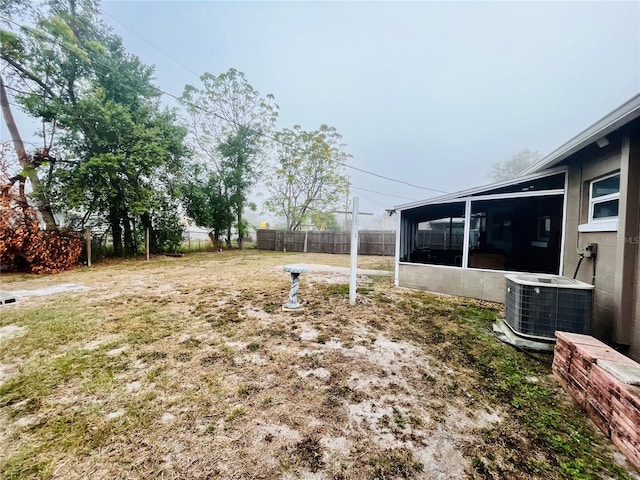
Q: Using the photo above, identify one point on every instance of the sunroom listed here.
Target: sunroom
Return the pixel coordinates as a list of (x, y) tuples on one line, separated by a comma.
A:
[(463, 243)]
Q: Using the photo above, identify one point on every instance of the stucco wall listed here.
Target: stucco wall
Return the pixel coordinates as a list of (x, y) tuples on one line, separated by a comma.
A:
[(633, 239), (616, 309), (579, 178), (482, 284)]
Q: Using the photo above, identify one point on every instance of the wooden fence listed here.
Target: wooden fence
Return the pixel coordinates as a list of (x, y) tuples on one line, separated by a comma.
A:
[(439, 240), (370, 242)]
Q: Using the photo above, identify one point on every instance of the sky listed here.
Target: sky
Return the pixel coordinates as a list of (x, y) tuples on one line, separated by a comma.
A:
[(429, 93)]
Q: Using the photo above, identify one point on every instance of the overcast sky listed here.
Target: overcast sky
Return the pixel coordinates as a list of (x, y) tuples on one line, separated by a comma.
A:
[(432, 93)]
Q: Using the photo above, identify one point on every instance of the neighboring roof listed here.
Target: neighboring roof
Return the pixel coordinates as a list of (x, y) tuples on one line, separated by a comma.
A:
[(620, 116), (462, 194)]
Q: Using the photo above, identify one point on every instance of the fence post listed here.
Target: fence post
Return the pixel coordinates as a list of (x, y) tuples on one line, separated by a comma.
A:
[(87, 236), (146, 242)]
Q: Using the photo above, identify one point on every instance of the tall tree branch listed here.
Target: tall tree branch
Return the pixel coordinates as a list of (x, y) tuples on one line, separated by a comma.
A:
[(25, 160), (28, 74)]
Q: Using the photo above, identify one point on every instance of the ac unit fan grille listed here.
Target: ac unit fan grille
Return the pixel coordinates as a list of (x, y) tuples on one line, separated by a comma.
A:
[(541, 310)]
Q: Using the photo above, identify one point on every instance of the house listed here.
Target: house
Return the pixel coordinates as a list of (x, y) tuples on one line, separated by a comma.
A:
[(574, 213)]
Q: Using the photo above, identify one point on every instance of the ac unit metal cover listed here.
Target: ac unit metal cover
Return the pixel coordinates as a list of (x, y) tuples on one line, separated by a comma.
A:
[(536, 305)]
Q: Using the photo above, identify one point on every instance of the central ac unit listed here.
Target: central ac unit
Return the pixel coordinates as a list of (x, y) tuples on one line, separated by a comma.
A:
[(537, 305)]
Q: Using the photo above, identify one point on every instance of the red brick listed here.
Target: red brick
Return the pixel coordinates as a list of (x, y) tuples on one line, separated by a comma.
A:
[(592, 353), (613, 406), (604, 380), (598, 418), (630, 395), (623, 425), (559, 359), (628, 449), (577, 394), (627, 410), (562, 349), (578, 339)]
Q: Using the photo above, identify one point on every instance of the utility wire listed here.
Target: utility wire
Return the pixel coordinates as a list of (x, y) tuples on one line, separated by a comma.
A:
[(151, 43), (394, 180), (36, 34), (381, 193), (371, 201)]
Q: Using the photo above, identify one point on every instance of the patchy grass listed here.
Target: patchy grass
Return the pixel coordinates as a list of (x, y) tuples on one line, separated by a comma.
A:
[(188, 368)]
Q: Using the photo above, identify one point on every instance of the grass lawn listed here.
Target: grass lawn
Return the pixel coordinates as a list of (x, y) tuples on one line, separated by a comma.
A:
[(188, 368)]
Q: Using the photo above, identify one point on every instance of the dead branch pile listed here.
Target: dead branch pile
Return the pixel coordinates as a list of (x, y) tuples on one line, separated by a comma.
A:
[(25, 247)]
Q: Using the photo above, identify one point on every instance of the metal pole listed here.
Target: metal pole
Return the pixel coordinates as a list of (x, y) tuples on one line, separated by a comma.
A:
[(354, 251)]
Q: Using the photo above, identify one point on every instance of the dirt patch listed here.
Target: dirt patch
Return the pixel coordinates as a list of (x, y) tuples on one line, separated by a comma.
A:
[(6, 371), (9, 331)]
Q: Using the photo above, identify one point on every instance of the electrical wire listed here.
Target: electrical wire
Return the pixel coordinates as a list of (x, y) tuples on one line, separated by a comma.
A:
[(394, 180), (151, 43), (381, 193)]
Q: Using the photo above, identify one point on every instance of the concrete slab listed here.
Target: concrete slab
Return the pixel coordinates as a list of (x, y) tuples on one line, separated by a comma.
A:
[(505, 334), (625, 372), (40, 292), (7, 298)]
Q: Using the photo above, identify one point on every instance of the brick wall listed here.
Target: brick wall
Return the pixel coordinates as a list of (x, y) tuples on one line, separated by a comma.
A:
[(579, 364)]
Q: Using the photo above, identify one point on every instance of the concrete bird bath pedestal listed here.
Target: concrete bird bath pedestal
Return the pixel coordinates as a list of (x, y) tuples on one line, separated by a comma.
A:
[(295, 271)]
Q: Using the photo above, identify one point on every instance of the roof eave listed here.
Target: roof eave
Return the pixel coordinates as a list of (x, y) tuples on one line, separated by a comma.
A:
[(464, 194)]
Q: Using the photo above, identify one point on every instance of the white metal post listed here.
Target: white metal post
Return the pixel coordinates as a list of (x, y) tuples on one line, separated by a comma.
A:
[(354, 252), (467, 233)]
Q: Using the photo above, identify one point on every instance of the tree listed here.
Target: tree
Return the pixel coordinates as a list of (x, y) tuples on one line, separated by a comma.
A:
[(126, 155), (508, 169), (238, 173), (326, 221), (166, 231), (206, 203), (117, 149), (29, 165), (308, 178), (229, 126)]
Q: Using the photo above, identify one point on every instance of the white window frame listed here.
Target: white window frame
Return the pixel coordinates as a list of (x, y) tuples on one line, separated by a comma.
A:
[(605, 224)]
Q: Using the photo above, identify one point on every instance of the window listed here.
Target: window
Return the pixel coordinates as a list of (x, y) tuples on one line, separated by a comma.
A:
[(517, 234), (604, 197), (434, 234)]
